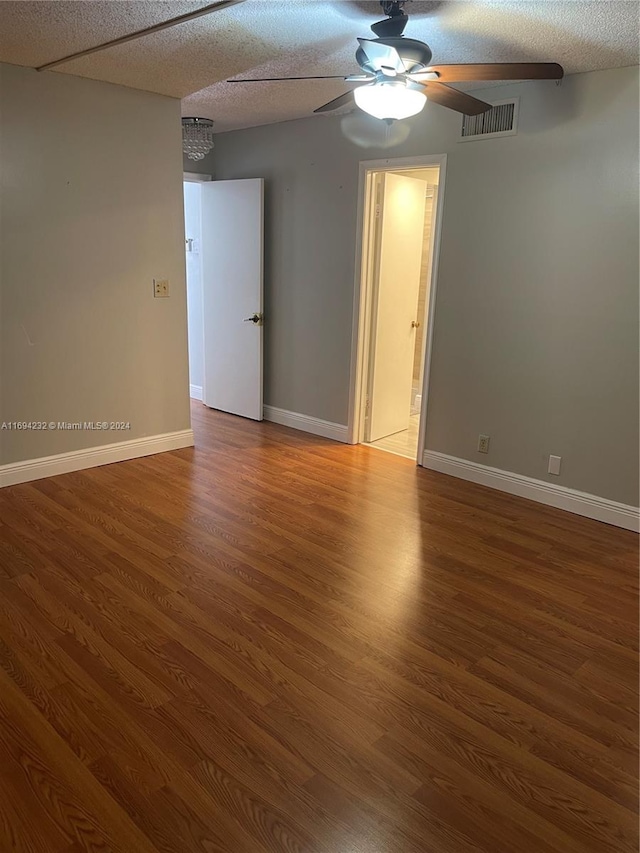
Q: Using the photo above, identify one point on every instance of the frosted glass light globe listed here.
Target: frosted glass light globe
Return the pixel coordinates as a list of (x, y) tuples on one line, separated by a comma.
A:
[(389, 99)]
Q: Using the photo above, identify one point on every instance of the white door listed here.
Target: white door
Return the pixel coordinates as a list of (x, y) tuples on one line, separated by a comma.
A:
[(232, 250), (395, 293)]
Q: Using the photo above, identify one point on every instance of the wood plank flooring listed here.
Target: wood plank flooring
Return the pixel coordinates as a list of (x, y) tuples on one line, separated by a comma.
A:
[(273, 643)]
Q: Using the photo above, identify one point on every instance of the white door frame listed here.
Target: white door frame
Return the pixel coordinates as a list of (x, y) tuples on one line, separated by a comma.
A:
[(362, 290)]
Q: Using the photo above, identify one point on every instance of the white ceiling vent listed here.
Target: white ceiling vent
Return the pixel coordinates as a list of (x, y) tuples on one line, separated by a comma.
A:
[(500, 120)]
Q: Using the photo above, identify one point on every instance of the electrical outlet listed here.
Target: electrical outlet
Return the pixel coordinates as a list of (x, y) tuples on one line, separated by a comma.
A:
[(161, 288), (554, 464), (483, 444)]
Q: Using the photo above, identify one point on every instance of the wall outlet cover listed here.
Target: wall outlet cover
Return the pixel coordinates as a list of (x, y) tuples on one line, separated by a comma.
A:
[(483, 444), (161, 288)]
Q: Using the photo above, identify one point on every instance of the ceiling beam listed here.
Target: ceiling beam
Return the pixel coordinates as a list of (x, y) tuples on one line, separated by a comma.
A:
[(147, 31)]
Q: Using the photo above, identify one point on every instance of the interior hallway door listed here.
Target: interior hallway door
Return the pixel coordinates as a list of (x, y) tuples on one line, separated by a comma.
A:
[(232, 282), (395, 301)]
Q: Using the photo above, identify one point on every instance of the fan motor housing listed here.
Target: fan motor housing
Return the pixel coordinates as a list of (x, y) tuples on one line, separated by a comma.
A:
[(415, 55)]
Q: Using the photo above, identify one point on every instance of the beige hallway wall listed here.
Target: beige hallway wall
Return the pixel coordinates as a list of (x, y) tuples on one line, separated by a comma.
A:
[(91, 212)]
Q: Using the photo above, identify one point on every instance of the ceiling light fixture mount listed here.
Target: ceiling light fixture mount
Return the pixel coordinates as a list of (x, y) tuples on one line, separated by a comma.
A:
[(197, 137), (395, 22)]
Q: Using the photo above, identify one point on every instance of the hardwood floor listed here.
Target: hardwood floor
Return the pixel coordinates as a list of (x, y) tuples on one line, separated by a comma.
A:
[(273, 642)]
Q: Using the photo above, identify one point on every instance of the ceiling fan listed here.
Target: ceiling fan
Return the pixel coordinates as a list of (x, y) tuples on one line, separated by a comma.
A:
[(398, 78)]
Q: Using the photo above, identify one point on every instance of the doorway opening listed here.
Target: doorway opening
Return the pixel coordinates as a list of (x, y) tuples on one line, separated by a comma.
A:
[(401, 204)]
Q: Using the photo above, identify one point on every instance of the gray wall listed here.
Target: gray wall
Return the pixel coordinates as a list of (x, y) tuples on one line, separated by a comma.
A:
[(536, 339), (91, 211), (202, 167)]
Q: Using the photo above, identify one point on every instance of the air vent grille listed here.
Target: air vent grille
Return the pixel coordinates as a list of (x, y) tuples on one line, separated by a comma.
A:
[(500, 120)]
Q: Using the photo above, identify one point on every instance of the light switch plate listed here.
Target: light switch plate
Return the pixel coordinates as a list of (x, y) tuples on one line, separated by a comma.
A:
[(554, 464), (161, 288)]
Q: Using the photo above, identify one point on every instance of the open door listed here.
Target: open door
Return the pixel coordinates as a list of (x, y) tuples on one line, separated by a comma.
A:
[(232, 272), (400, 237)]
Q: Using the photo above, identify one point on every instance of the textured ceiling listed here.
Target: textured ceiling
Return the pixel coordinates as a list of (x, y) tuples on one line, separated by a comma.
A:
[(32, 33), (273, 38)]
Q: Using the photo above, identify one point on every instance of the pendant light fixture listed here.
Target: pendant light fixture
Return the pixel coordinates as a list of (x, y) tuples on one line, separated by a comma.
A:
[(197, 137)]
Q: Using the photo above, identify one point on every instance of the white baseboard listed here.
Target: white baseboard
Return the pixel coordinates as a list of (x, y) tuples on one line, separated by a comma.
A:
[(571, 500), (195, 392), (327, 429), (77, 460)]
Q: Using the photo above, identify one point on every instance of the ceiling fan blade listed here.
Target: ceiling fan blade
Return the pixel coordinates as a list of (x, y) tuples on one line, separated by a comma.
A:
[(341, 101), (453, 99), (495, 71), (382, 55), (277, 79), (359, 78)]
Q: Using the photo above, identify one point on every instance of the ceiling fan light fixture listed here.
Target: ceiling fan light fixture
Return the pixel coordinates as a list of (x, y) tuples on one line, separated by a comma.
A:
[(389, 99), (197, 137)]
